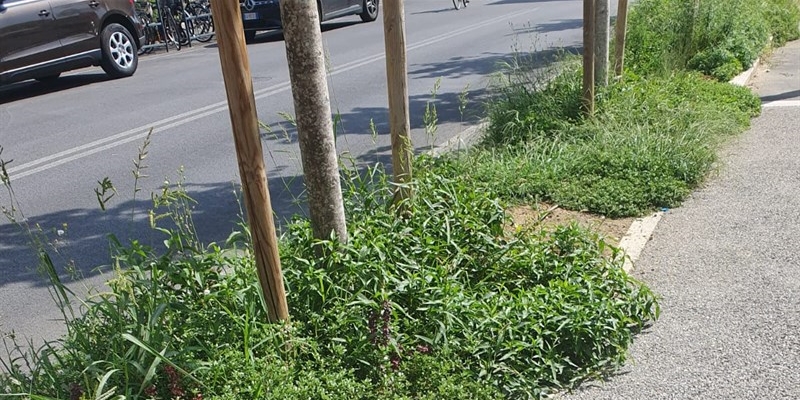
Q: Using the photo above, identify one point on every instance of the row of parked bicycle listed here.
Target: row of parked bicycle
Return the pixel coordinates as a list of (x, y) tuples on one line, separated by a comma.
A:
[(174, 23)]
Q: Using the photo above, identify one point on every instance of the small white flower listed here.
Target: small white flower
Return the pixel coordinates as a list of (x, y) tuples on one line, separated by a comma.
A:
[(60, 232), (206, 292)]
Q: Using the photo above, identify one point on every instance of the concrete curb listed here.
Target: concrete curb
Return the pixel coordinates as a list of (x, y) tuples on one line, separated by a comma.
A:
[(744, 78), (639, 233)]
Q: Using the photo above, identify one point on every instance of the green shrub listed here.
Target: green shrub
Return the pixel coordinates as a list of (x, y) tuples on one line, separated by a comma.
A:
[(669, 35), (651, 142), (783, 18), (440, 304)]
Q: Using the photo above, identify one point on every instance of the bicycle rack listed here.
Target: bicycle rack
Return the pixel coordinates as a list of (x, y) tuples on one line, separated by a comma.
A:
[(158, 25)]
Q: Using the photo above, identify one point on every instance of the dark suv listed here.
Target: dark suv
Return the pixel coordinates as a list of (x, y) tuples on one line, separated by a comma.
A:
[(40, 39), (261, 15)]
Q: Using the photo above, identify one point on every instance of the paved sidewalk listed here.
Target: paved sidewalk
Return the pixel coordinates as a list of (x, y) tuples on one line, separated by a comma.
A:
[(727, 265)]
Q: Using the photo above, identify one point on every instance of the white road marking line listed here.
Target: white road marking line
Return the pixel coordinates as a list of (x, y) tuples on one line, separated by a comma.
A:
[(782, 103), (140, 132)]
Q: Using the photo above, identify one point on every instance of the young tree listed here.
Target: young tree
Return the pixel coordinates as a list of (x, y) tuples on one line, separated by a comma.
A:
[(312, 107)]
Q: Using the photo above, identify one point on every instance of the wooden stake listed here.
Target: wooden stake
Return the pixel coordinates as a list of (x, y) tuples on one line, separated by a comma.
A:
[(602, 29), (246, 135), (621, 29), (397, 83), (588, 56)]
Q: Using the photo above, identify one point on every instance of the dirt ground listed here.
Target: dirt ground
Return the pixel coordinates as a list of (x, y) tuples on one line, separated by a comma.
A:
[(550, 215)]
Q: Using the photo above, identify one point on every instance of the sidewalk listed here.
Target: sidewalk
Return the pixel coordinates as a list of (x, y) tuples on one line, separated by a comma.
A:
[(727, 266)]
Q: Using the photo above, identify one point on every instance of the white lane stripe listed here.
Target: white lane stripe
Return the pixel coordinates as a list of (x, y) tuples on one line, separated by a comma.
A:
[(96, 146), (782, 103)]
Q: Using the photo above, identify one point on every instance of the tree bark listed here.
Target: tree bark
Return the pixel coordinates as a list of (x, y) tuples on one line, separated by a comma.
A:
[(242, 108), (601, 42), (312, 107), (397, 83), (621, 29)]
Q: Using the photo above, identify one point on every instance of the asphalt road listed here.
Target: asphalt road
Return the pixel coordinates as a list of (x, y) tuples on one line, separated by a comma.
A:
[(66, 137)]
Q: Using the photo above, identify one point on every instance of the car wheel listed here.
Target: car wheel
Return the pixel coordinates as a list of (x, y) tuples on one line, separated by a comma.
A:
[(249, 36), (370, 11), (120, 57), (48, 78)]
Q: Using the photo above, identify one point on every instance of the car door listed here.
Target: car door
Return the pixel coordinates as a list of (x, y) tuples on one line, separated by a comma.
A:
[(27, 34), (334, 6), (79, 24)]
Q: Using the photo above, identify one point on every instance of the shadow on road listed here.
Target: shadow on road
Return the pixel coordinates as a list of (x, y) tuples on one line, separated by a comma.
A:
[(782, 96), (500, 2), (85, 240), (276, 35), (465, 105), (27, 89)]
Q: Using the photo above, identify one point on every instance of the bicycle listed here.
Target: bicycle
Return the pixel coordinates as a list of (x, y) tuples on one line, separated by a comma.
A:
[(458, 3), (159, 29), (194, 21)]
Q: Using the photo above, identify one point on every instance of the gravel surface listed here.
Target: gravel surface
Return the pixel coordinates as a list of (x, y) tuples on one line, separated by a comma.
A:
[(727, 267)]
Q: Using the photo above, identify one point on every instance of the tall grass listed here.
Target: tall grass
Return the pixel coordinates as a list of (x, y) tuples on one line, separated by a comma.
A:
[(719, 38)]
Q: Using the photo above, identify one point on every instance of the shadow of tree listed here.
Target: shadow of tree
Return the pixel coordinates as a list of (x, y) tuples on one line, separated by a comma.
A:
[(500, 2), (452, 107), (216, 214), (557, 26)]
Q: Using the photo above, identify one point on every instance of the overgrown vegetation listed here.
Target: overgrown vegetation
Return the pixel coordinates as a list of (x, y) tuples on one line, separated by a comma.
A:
[(718, 37), (445, 303), (656, 130), (651, 142), (442, 304)]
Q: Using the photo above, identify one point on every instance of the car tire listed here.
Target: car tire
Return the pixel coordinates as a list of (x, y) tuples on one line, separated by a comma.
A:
[(249, 36), (48, 78), (370, 10), (120, 57)]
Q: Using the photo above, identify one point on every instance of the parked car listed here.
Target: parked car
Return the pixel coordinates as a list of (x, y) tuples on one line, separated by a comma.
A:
[(40, 39), (261, 15)]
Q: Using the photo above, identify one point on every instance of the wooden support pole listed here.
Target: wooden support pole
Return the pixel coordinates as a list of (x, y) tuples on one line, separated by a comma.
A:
[(588, 56), (620, 33), (602, 28), (397, 83), (246, 135)]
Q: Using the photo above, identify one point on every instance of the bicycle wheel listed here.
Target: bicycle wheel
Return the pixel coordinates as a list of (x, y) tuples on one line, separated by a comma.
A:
[(171, 29), (202, 22), (457, 4), (185, 27)]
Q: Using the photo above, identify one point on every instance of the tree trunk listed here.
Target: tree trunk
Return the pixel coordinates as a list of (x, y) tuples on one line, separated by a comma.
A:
[(246, 135), (601, 40), (621, 29), (397, 83), (312, 107)]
